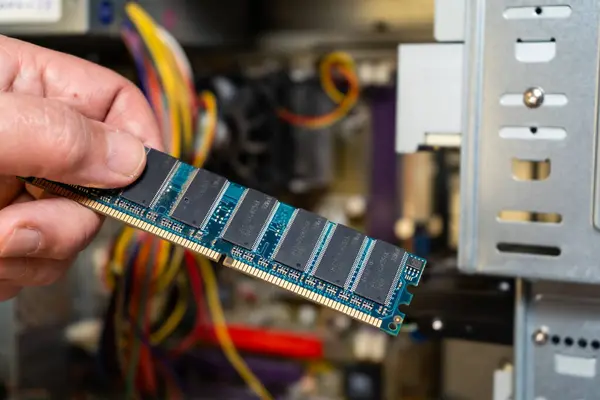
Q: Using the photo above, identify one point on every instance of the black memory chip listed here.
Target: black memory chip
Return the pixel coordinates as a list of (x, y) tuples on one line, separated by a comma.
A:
[(415, 263), (197, 201), (300, 240), (158, 167), (379, 272), (336, 264), (249, 219)]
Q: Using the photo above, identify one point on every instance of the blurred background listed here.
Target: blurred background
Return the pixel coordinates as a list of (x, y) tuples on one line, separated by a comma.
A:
[(298, 99)]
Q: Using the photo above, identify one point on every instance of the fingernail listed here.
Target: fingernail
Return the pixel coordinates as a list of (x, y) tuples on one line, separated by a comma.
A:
[(21, 243), (126, 154)]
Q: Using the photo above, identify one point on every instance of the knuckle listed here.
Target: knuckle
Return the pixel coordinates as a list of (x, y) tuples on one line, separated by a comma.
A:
[(46, 275), (25, 273), (10, 67), (16, 270), (40, 272), (31, 271), (78, 230)]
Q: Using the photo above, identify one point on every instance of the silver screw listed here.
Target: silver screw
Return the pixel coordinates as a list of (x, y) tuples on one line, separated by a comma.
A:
[(533, 97), (540, 336)]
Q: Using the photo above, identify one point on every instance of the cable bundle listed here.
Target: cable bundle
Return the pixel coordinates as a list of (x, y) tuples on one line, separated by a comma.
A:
[(144, 271), (153, 292)]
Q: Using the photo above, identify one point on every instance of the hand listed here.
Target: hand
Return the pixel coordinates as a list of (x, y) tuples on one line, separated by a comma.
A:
[(68, 120)]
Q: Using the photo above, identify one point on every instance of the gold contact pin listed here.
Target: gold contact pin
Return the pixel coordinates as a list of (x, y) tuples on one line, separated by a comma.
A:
[(250, 270), (128, 219), (211, 254)]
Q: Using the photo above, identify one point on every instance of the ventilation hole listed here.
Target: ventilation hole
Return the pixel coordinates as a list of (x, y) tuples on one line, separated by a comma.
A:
[(552, 40), (555, 339), (528, 216), (532, 133), (529, 170), (568, 341), (392, 326), (537, 250), (521, 12), (535, 51), (595, 344), (582, 343)]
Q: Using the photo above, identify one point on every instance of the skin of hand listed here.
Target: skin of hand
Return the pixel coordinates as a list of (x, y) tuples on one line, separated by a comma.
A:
[(68, 120)]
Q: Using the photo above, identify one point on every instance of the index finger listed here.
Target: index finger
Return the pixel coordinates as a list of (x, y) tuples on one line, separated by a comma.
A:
[(94, 91)]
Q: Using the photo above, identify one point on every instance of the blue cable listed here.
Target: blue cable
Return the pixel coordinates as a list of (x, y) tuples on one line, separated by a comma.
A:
[(157, 353), (137, 57)]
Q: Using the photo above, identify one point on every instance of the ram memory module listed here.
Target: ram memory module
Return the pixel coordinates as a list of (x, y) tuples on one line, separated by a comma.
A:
[(328, 263)]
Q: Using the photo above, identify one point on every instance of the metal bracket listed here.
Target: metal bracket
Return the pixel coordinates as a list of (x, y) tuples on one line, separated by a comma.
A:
[(530, 103), (558, 341), (429, 96)]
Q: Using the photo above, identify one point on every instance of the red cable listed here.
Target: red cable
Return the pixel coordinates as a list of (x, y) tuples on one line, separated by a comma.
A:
[(134, 302), (196, 283), (332, 116), (146, 363), (173, 392), (144, 375), (154, 94)]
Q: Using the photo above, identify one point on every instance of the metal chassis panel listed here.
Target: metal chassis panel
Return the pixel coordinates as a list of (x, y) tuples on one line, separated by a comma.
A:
[(556, 320), (486, 182)]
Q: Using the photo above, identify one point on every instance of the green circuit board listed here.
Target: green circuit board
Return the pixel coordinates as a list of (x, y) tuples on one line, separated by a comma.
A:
[(328, 263)]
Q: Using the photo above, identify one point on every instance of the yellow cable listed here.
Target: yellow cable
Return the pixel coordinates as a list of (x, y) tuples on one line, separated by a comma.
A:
[(162, 256), (220, 325), (346, 101), (319, 122), (180, 308), (117, 262), (123, 241), (171, 272), (175, 89), (335, 58), (147, 30), (119, 331), (175, 318), (184, 98), (179, 117), (208, 137), (149, 35)]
